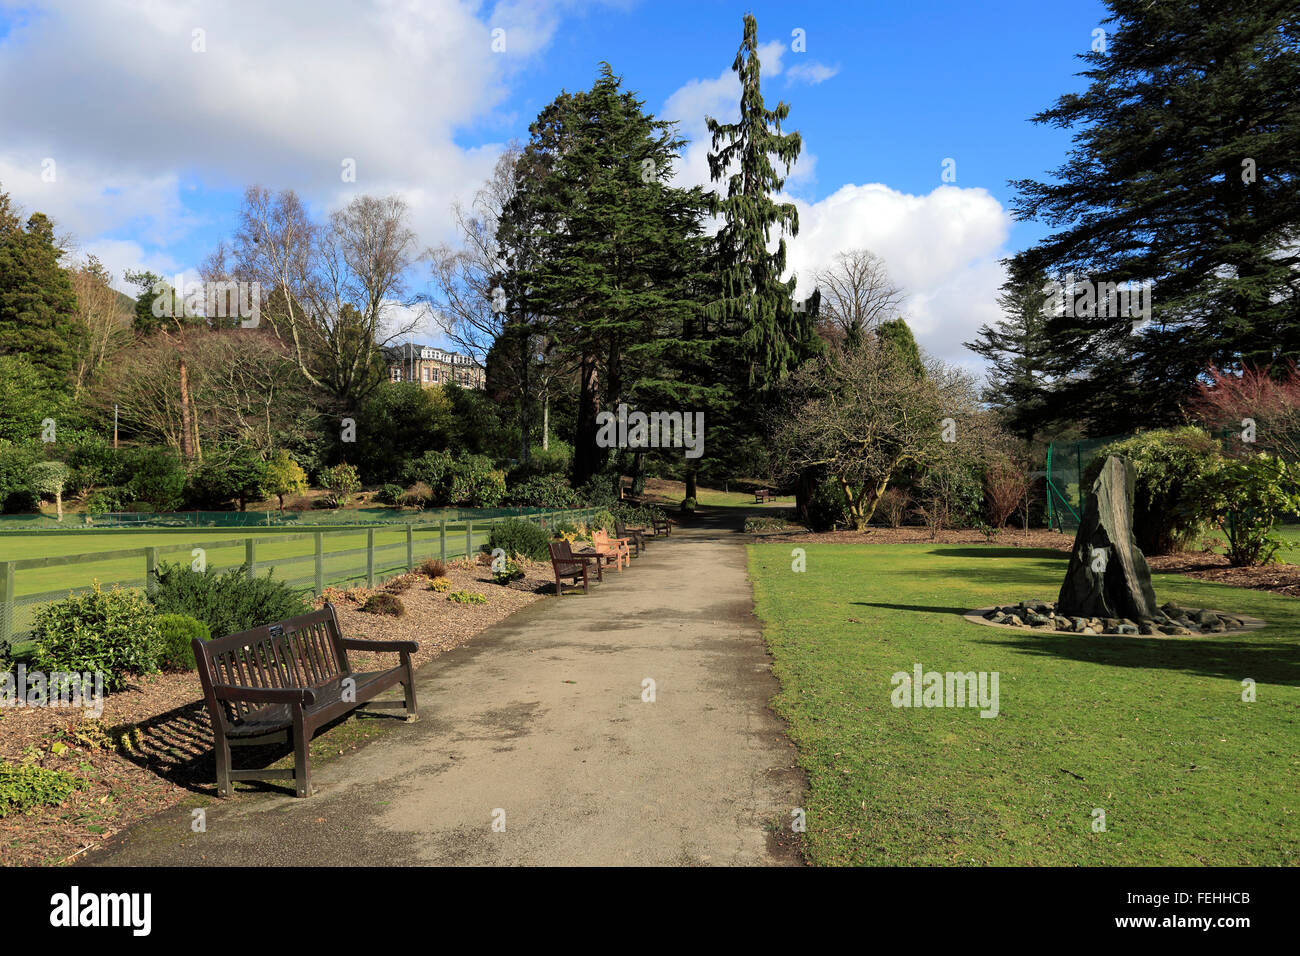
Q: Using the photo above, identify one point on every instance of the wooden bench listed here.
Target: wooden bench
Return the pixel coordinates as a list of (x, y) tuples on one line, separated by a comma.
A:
[(566, 564), (763, 495), (615, 548), (634, 536), (661, 523), (285, 681)]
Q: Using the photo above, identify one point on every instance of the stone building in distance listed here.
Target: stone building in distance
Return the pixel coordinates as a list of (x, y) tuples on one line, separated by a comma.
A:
[(432, 366)]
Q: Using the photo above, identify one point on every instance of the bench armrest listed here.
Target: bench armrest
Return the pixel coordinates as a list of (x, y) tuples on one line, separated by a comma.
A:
[(579, 556), (265, 695), (361, 644)]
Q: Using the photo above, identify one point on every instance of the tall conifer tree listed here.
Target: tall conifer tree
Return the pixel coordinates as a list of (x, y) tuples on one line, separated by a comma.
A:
[(775, 334)]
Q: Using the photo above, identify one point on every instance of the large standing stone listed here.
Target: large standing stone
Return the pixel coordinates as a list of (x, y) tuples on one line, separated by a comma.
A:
[(1108, 576)]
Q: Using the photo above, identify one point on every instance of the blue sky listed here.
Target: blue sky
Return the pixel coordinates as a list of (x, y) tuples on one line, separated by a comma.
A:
[(154, 141)]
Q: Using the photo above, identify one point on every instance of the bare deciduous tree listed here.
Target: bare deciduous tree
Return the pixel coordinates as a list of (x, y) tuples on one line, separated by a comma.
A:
[(862, 413), (857, 294), (335, 292), (107, 323)]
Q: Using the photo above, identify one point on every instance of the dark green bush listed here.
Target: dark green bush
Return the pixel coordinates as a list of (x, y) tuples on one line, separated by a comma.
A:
[(384, 603), (111, 632), (464, 479), (157, 478), (543, 491), (175, 633), (389, 494), (16, 492), (105, 500), (227, 602), (518, 536), (688, 505), (827, 506), (1171, 506), (1248, 496), (227, 475), (25, 787)]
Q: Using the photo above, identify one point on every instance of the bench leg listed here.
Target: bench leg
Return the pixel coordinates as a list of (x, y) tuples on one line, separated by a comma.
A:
[(223, 765), (408, 685), (301, 758), (559, 588)]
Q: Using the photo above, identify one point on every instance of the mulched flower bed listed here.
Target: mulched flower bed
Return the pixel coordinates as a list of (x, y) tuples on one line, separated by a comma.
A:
[(151, 748)]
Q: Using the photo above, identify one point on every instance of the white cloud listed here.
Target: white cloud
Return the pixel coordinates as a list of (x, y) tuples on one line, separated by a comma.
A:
[(942, 249), (281, 95), (810, 73)]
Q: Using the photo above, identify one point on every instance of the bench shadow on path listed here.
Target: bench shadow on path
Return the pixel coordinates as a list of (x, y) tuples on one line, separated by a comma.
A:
[(177, 746), (1265, 662)]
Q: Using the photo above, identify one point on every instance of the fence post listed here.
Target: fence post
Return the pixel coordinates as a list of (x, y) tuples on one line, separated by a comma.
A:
[(320, 563), (6, 604), (370, 557), (150, 570), (442, 540), (410, 548), (250, 556), (469, 539)]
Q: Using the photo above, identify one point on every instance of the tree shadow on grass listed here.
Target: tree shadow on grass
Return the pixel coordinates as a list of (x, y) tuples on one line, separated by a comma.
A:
[(990, 552), (1265, 662), (925, 608)]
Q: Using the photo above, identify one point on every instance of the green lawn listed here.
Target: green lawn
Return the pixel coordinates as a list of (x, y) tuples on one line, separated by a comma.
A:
[(1151, 730)]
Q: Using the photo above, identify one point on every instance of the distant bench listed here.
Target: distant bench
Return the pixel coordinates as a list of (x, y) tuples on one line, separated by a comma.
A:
[(287, 680), (763, 495)]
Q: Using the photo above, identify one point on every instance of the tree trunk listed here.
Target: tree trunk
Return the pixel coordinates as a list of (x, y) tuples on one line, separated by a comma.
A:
[(187, 437), (690, 483), (586, 456), (58, 504), (546, 423)]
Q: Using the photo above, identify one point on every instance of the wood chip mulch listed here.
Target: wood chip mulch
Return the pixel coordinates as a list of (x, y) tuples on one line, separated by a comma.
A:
[(151, 748)]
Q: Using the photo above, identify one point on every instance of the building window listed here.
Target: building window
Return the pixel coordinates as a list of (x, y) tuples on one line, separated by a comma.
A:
[(424, 373)]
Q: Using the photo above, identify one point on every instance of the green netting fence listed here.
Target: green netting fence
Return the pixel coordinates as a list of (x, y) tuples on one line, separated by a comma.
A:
[(1066, 462), (25, 524), (309, 560)]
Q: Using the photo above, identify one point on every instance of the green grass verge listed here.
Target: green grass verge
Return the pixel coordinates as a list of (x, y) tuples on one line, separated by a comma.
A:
[(1153, 731)]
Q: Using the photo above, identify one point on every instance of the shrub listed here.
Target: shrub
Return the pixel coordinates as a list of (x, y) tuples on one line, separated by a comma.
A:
[(522, 537), (175, 633), (111, 632), (467, 597), (604, 519), (509, 571), (440, 584), (16, 492), (566, 529), (1170, 505), (382, 603), (1247, 497), (419, 495), (227, 602), (389, 494), (1006, 487), (893, 506), (827, 506), (398, 585), (284, 476), (464, 479), (598, 491), (761, 525), (24, 787), (234, 475), (106, 500), (157, 478), (544, 491), (433, 568), (342, 482)]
